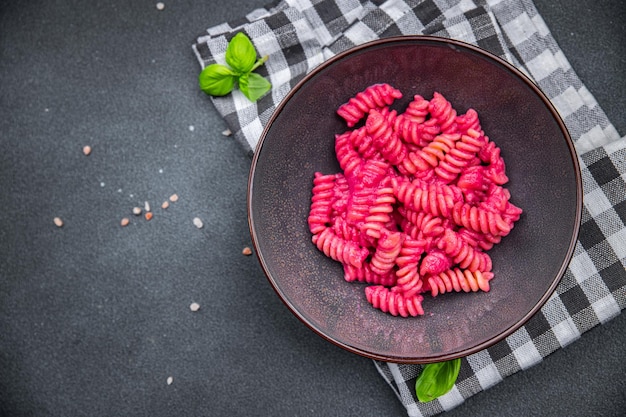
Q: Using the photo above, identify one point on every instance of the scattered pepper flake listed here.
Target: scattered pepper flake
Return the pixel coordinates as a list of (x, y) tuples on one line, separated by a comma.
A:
[(170, 380), (160, 6), (125, 222), (86, 150), (174, 198), (247, 251), (136, 211), (198, 223), (148, 215), (165, 205), (58, 222), (194, 307)]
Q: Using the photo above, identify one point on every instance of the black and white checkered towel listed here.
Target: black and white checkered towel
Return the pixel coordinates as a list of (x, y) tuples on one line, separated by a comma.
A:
[(298, 35)]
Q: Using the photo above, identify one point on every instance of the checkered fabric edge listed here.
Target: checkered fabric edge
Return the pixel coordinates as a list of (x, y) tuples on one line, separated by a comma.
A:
[(298, 35)]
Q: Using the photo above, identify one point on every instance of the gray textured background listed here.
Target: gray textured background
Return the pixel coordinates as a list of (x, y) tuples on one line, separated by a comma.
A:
[(94, 317)]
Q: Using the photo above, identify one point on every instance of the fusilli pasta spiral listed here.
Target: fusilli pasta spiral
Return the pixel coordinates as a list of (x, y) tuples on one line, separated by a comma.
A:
[(409, 281), (466, 256), (380, 128), (394, 303), (376, 96), (365, 274), (322, 202), (441, 110), (387, 250), (339, 249), (458, 280)]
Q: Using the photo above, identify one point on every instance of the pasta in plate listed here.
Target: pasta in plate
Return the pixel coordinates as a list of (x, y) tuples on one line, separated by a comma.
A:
[(418, 204)]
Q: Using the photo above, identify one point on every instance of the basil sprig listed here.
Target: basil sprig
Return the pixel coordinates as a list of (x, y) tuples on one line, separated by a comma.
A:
[(436, 379), (241, 59)]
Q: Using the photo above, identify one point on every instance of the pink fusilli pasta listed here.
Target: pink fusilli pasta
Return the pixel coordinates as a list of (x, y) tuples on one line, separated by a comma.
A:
[(419, 201), (387, 250), (458, 280), (394, 303), (431, 155), (380, 128), (322, 202), (376, 96), (441, 110), (409, 281), (365, 274), (340, 249), (468, 121), (432, 198), (414, 133), (417, 109), (380, 211), (463, 254)]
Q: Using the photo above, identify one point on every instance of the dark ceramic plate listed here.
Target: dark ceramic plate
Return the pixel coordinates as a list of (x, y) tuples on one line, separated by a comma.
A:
[(545, 182)]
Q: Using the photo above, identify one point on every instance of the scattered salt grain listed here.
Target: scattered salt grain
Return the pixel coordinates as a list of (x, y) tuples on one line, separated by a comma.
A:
[(58, 222), (136, 211), (170, 380), (125, 222), (146, 206), (174, 198), (198, 223), (165, 205), (194, 307), (86, 150), (102, 184), (191, 128), (160, 6), (247, 251), (227, 132)]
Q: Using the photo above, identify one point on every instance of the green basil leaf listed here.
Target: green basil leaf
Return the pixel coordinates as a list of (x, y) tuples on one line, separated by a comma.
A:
[(253, 86), (437, 379), (217, 80), (240, 53)]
